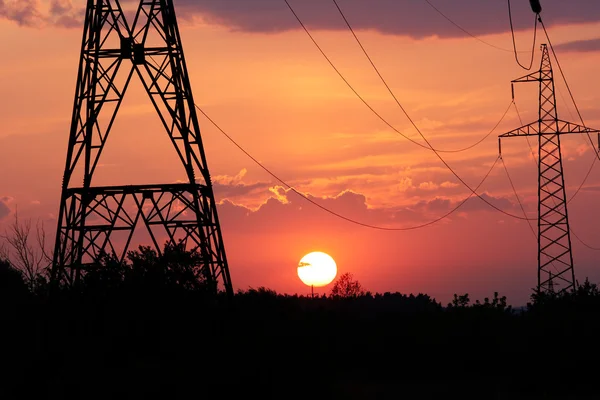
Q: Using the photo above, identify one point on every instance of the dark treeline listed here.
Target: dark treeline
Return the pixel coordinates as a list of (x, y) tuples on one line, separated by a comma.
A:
[(151, 328)]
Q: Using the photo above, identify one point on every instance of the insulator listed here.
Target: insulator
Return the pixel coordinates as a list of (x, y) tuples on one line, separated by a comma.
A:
[(536, 7)]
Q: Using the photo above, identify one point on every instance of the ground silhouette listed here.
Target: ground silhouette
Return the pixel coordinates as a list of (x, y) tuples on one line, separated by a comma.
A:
[(151, 327)]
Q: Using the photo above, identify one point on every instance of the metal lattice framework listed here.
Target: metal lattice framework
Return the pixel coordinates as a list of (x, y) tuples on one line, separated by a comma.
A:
[(555, 259), (113, 52)]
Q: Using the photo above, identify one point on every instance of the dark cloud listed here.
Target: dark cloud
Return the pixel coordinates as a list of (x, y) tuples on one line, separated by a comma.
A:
[(580, 46), (478, 204), (440, 206), (398, 17), (23, 12), (28, 13), (414, 18), (64, 13), (298, 215), (435, 205)]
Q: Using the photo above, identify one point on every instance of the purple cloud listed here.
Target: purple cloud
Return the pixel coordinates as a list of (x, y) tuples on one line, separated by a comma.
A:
[(579, 46), (23, 12), (416, 19), (28, 13)]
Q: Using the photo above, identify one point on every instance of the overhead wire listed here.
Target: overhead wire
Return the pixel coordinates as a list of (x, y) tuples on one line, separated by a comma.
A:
[(516, 58), (406, 113), (473, 191), (371, 108), (305, 197), (512, 31), (313, 202)]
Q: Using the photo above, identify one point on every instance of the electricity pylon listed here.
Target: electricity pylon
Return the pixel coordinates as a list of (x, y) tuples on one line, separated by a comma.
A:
[(98, 220), (555, 259)]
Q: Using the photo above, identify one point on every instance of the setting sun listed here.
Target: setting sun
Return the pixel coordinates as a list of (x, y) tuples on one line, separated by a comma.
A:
[(317, 269)]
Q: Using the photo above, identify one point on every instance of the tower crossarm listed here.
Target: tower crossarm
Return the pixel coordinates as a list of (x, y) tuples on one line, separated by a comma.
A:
[(536, 76), (531, 129), (570, 127), (562, 127)]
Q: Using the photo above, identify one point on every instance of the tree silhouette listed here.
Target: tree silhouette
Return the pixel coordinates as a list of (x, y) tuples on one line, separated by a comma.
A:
[(460, 301), (25, 252), (346, 286), (497, 303)]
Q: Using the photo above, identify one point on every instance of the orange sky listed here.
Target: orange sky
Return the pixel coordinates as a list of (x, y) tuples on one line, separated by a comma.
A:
[(277, 96)]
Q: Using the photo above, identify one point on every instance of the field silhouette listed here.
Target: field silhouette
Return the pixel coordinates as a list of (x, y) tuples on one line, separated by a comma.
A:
[(151, 328)]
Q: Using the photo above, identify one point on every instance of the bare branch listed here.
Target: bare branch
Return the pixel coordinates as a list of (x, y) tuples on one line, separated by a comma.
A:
[(41, 240), (21, 253)]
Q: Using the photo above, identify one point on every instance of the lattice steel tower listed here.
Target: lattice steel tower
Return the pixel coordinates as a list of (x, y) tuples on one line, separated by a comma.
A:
[(555, 259), (97, 219)]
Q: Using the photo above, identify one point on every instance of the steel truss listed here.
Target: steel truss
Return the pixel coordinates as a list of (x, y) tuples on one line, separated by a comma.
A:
[(555, 259), (112, 53)]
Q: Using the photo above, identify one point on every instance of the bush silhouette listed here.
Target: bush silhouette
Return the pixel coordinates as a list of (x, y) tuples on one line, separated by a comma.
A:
[(11, 281)]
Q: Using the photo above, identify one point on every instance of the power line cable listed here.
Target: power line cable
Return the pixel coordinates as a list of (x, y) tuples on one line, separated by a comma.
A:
[(287, 185), (408, 116), (512, 31), (353, 221), (512, 103), (371, 108)]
